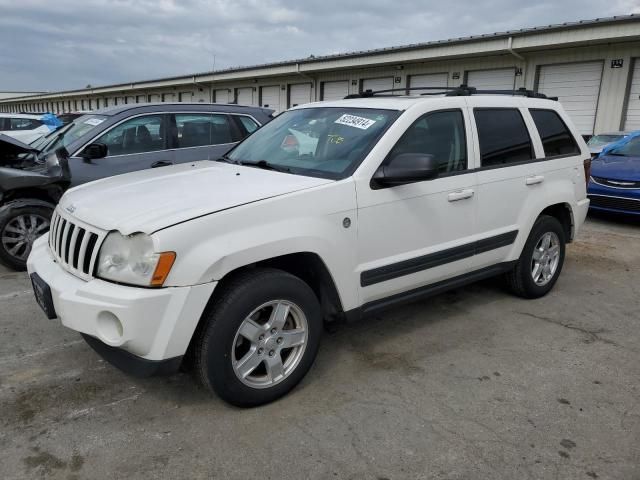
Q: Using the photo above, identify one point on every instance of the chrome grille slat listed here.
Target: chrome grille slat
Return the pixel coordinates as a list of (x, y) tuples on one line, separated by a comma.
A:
[(83, 250), (63, 241), (75, 245)]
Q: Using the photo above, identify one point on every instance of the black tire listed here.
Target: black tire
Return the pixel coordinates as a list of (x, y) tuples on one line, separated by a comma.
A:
[(520, 279), (9, 213), (212, 347)]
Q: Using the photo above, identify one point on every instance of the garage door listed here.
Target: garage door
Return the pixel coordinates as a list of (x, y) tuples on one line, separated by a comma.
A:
[(270, 97), (299, 94), (498, 79), (154, 97), (335, 90), (169, 97), (430, 80), (632, 118), (223, 95), (245, 96), (185, 97), (376, 84), (577, 86)]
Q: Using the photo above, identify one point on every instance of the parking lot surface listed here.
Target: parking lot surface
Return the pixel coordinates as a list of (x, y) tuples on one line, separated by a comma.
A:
[(474, 383)]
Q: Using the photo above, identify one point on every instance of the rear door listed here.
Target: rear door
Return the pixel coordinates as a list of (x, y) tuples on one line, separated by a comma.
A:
[(506, 152), (203, 136)]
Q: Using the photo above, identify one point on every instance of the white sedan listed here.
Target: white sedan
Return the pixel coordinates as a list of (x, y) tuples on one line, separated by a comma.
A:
[(23, 127)]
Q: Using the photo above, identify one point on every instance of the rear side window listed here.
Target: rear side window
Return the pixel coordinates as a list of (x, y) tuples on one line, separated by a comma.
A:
[(555, 136), (503, 136), (201, 129), (24, 124), (249, 125)]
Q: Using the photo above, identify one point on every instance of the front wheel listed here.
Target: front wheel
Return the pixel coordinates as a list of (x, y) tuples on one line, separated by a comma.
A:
[(260, 337), (21, 223), (541, 260)]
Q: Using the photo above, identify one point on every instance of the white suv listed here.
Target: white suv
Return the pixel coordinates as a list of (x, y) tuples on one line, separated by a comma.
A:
[(236, 263)]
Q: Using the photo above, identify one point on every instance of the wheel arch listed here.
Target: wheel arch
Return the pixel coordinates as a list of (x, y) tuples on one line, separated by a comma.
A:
[(564, 214), (309, 267)]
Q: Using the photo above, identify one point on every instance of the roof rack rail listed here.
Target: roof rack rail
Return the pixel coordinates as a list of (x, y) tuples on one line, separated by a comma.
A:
[(461, 91)]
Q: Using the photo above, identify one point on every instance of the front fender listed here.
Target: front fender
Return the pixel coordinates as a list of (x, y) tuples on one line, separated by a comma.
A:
[(210, 247)]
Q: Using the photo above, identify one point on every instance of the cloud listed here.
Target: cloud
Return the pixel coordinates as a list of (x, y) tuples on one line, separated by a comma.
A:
[(65, 44)]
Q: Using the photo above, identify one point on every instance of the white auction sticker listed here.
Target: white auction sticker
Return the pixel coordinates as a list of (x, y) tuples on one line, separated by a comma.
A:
[(353, 121), (94, 121)]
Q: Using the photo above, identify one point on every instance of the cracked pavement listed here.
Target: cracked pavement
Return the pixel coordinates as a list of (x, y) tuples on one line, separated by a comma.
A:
[(474, 383)]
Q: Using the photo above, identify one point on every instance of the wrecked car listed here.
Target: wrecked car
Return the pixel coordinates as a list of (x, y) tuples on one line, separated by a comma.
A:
[(102, 144)]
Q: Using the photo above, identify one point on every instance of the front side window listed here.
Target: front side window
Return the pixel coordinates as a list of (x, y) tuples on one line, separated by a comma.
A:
[(503, 136), (440, 134), (200, 129), (318, 141), (138, 135), (555, 136)]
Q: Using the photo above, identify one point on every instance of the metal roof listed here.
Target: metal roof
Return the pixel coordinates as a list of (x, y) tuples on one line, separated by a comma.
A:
[(376, 51)]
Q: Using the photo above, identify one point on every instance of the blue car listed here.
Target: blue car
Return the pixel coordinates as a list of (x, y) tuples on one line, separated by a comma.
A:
[(615, 178)]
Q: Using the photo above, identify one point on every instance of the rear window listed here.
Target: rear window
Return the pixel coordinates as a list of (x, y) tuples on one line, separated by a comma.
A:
[(503, 136), (555, 136)]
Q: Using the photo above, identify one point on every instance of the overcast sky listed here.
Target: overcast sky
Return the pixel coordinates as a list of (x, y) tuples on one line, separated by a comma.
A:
[(66, 44)]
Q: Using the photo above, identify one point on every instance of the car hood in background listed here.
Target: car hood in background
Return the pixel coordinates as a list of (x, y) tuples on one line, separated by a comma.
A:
[(149, 200), (11, 147), (615, 167)]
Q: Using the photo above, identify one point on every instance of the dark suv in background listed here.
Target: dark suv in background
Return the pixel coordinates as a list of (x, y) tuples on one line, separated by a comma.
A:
[(105, 143)]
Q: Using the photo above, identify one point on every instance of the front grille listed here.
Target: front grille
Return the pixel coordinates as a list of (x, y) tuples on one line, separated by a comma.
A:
[(617, 183), (616, 203), (74, 246)]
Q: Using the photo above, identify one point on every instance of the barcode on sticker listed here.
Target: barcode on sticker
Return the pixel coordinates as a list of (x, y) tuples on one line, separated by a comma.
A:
[(354, 121)]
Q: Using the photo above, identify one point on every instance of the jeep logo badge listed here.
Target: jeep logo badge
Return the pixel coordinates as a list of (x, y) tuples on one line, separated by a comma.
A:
[(70, 208)]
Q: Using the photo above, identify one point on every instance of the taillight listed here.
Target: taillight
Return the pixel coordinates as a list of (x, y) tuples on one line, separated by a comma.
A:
[(587, 170)]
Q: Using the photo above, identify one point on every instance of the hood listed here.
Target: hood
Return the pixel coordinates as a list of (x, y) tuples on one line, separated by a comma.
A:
[(10, 147), (149, 200), (615, 167)]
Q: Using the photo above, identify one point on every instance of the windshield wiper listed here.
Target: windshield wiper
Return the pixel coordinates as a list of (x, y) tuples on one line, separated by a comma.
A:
[(226, 159), (263, 164)]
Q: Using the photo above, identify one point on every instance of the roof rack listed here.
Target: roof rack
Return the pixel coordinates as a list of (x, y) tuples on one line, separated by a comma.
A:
[(461, 91)]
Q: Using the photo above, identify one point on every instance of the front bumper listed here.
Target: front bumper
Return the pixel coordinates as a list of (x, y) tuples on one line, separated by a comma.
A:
[(129, 326), (614, 200)]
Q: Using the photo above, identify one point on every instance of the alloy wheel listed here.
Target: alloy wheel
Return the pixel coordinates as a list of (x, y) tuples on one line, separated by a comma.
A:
[(545, 259), (269, 344), (20, 233)]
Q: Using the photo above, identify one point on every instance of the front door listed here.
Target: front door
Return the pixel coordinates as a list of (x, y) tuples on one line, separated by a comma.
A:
[(135, 144), (416, 234)]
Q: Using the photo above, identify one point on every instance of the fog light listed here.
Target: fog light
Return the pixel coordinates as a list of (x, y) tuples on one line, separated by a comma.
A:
[(110, 328)]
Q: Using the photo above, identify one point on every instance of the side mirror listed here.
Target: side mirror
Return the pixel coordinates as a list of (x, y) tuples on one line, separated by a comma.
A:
[(94, 151), (406, 168)]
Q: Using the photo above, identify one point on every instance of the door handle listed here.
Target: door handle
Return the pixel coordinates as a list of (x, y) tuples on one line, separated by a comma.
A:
[(534, 180), (161, 163), (461, 195)]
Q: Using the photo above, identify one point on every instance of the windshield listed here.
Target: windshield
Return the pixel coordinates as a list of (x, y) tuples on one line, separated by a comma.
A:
[(629, 149), (599, 140), (66, 135), (322, 142)]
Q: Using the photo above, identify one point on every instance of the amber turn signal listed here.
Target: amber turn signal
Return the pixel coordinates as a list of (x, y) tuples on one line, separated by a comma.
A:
[(165, 262)]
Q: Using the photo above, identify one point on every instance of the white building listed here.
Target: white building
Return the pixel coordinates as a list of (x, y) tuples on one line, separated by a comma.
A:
[(592, 66)]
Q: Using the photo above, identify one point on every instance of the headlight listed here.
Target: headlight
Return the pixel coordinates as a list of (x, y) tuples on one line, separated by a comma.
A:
[(131, 259)]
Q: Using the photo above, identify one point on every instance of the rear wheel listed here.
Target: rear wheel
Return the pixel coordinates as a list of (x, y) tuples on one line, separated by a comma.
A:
[(260, 337), (541, 260), (21, 223)]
